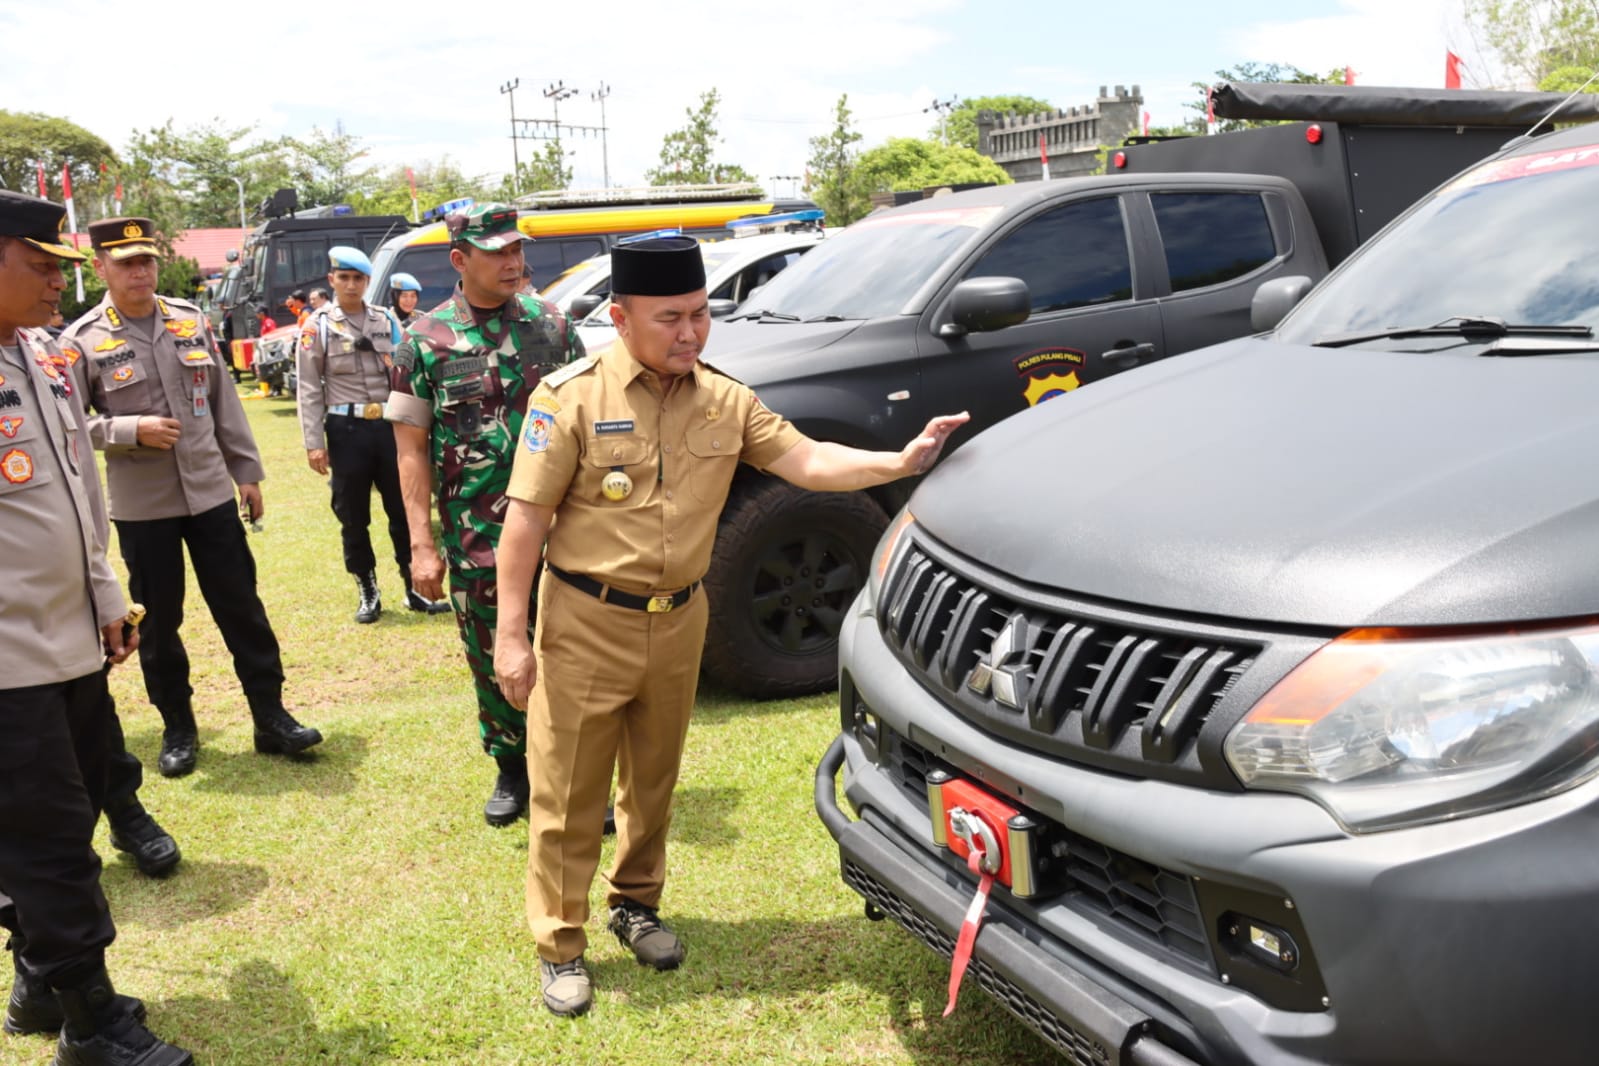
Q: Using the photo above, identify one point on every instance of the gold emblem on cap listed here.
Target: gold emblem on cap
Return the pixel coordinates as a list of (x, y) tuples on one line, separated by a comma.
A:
[(617, 486), (133, 229)]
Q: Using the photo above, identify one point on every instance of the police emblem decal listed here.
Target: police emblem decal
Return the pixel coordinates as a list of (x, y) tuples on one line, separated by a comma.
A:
[(16, 466), (540, 424), (10, 425)]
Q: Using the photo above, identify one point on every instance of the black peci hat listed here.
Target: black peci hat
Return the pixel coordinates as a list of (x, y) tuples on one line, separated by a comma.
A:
[(659, 266)]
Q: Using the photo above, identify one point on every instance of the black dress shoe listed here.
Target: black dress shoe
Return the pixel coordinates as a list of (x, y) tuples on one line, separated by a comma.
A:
[(179, 751), (418, 602), (135, 832), (33, 1007), (509, 798), (277, 733)]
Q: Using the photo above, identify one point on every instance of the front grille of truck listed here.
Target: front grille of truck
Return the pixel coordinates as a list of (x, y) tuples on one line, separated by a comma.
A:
[(1152, 903), (1079, 1048), (1088, 686)]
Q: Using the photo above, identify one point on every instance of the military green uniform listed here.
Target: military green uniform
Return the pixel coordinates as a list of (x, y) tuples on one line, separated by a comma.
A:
[(466, 379)]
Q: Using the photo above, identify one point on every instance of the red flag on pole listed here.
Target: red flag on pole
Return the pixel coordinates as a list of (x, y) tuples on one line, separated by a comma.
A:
[(1146, 123), (1452, 65), (1349, 75), (1210, 111), (44, 191), (72, 224), (1043, 157)]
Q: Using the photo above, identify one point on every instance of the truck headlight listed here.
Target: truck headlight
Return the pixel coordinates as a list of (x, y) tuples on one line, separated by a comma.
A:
[(883, 558), (1388, 727)]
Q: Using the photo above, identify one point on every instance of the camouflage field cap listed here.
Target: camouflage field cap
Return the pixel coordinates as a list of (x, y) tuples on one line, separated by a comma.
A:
[(486, 226)]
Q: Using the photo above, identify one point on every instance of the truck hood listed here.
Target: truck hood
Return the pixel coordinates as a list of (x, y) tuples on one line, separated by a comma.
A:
[(758, 353), (1262, 481)]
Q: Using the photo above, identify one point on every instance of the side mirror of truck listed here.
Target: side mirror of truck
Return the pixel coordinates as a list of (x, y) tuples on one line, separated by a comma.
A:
[(983, 305), (1274, 299), (583, 306), (723, 308), (232, 255)]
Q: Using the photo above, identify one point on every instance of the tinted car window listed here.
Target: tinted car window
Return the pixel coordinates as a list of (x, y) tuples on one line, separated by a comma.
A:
[(1072, 256), (574, 252), (1211, 237), (430, 265), (1498, 242), (310, 260)]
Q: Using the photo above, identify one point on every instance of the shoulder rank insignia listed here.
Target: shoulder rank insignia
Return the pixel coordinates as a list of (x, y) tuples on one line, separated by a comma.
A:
[(571, 370), (110, 344)]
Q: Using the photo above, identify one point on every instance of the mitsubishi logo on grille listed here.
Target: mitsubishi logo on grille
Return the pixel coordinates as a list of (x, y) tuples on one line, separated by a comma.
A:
[(1000, 671)]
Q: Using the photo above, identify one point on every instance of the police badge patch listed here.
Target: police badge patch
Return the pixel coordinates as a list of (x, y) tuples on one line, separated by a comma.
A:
[(540, 424)]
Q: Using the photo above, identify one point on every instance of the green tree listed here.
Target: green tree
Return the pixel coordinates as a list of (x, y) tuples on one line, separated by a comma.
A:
[(546, 171), (190, 178), (688, 154), (1256, 72), (1540, 38), (28, 139), (323, 167), (905, 163), (960, 125), (437, 182), (831, 177)]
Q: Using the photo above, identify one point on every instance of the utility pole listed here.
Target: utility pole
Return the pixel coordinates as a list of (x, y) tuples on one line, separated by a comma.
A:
[(942, 108), (793, 182), (509, 89), (555, 92), (599, 96)]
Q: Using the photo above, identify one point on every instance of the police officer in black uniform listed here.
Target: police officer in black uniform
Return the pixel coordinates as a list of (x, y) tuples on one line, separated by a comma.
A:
[(62, 618)]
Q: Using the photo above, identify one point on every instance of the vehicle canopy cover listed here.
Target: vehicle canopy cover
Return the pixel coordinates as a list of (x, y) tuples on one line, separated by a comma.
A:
[(1379, 105)]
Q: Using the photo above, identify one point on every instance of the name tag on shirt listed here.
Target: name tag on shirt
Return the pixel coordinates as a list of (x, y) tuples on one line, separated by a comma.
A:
[(619, 425)]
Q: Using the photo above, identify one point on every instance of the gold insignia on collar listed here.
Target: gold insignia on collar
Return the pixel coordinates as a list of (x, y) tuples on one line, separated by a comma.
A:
[(112, 317), (712, 414)]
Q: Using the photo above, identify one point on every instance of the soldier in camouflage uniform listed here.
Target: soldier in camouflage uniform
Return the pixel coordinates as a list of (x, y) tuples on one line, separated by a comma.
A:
[(462, 377)]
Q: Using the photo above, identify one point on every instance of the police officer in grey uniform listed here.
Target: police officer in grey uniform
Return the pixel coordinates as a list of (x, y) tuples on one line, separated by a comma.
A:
[(176, 443), (62, 619), (344, 357)]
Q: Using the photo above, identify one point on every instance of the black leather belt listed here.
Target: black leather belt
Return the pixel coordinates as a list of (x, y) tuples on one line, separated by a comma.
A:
[(606, 594)]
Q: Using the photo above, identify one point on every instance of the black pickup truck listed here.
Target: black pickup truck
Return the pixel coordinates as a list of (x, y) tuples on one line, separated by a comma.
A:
[(1268, 679), (994, 300)]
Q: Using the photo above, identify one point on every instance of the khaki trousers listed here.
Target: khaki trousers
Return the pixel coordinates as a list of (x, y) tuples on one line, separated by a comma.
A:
[(615, 690)]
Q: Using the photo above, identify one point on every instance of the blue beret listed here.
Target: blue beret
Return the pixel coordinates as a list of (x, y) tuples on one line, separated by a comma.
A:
[(343, 257)]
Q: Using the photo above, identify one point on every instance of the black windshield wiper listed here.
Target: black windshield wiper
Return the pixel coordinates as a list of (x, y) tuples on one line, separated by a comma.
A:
[(765, 316), (1457, 326), (828, 318)]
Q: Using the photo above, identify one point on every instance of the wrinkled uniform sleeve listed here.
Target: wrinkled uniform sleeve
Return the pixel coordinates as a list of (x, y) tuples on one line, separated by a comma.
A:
[(767, 436), (411, 393), (105, 431), (541, 475), (310, 357)]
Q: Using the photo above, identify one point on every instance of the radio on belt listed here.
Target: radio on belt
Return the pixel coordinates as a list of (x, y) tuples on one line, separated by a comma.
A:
[(1015, 845)]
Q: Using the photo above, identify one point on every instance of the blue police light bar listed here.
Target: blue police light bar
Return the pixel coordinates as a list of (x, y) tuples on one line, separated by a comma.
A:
[(343, 209), (445, 208), (651, 235), (759, 221)]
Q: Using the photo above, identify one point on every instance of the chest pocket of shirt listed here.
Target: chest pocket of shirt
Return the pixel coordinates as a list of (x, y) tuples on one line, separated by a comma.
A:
[(342, 356), (127, 389), (713, 458), (24, 453), (634, 455)]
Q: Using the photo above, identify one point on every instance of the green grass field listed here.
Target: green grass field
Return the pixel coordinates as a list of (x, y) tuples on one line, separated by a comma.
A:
[(356, 909)]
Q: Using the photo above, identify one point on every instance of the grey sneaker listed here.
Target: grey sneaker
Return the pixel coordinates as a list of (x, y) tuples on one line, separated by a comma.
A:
[(567, 989), (639, 929)]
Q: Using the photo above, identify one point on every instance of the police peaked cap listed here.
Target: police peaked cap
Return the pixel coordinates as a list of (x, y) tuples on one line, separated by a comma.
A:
[(660, 266), (343, 257), (123, 238), (38, 222)]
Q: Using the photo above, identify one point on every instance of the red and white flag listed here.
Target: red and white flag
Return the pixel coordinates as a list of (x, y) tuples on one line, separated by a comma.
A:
[(1452, 65), (44, 190), (1043, 156), (1349, 75), (1146, 123), (72, 223)]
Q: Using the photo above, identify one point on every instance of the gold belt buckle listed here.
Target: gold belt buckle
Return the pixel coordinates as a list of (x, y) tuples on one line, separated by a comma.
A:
[(372, 410), (660, 605)]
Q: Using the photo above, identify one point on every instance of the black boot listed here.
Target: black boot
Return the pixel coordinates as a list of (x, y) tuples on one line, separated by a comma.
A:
[(134, 831), (277, 733), (509, 798), (33, 1007), (418, 602), (99, 1029), (180, 741), (371, 604)]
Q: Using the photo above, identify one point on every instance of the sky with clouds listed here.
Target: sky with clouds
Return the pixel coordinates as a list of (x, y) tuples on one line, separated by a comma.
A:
[(415, 84)]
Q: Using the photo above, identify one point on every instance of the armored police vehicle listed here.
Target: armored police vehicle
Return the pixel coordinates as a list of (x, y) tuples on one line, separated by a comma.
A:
[(1260, 688), (995, 300)]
